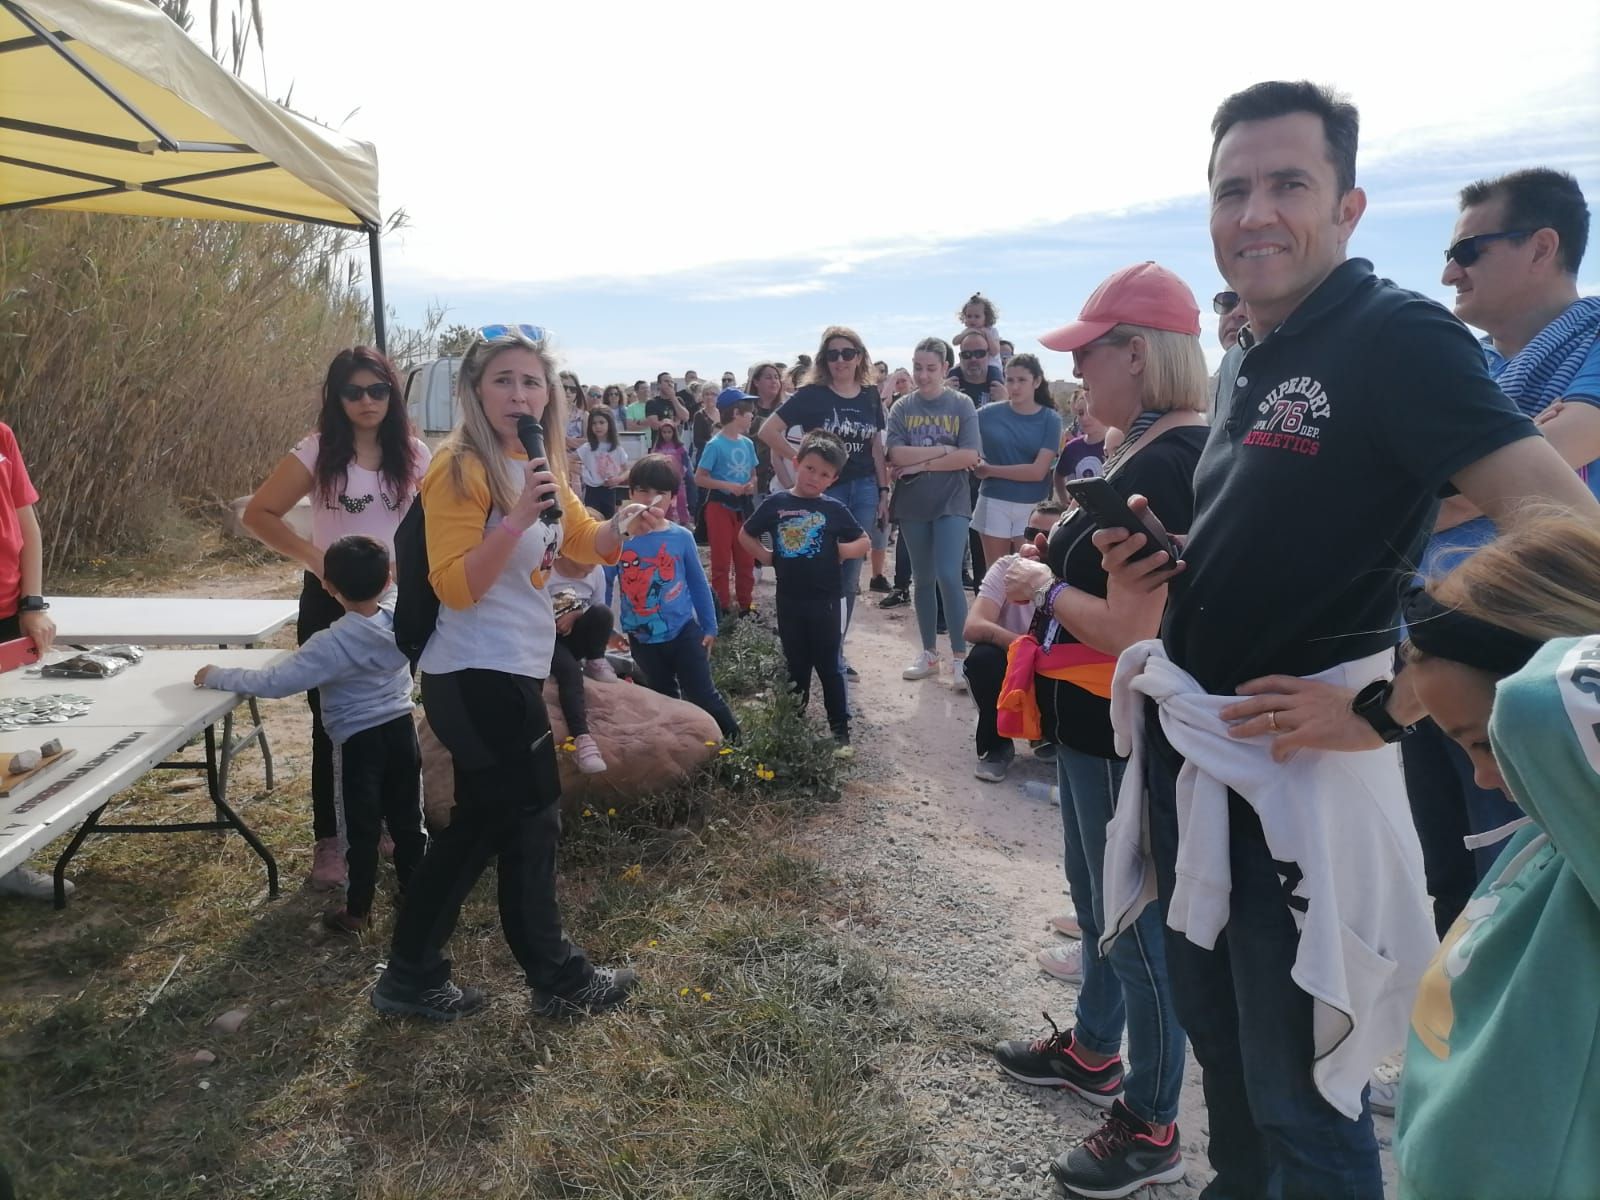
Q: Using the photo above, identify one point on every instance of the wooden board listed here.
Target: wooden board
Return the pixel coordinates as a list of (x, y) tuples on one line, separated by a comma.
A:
[(10, 783)]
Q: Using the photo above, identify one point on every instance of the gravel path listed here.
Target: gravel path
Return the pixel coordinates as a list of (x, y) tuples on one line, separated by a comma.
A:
[(956, 881)]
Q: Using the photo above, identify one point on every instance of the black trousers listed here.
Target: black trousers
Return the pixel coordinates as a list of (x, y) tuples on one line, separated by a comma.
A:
[(588, 638), (681, 669), (506, 812), (380, 780), (602, 499), (986, 671), (808, 629), (902, 566), (318, 610)]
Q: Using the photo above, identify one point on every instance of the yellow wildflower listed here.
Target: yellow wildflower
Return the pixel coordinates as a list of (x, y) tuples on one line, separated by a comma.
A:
[(706, 997), (632, 874), (683, 991), (587, 813), (654, 943), (611, 812), (724, 751)]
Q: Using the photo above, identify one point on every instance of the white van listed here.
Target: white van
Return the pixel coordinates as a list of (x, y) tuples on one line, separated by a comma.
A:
[(431, 397)]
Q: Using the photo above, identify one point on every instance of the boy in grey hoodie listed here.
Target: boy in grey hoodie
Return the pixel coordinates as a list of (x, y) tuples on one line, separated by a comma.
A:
[(365, 683)]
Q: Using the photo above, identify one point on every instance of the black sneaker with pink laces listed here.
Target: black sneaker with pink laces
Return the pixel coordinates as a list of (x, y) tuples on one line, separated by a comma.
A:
[(1052, 1062), (1119, 1158)]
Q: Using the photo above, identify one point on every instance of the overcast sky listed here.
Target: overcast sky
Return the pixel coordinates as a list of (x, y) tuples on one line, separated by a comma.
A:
[(707, 183)]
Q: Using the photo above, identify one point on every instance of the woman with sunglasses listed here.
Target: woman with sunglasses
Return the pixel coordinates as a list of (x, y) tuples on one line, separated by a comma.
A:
[(361, 469), (492, 538), (837, 398)]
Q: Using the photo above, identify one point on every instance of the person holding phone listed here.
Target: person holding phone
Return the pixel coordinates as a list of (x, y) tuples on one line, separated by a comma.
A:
[(1136, 347)]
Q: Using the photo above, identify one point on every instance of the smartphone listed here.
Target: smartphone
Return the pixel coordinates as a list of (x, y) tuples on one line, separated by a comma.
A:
[(1108, 510), (19, 652)]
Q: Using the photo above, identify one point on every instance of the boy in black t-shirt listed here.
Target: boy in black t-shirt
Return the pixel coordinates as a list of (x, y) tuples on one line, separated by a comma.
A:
[(811, 534)]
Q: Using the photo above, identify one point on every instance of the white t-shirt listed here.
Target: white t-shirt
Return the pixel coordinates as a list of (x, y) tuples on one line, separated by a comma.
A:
[(1015, 617)]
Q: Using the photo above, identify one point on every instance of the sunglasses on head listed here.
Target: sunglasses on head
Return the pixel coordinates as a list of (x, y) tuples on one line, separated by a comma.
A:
[(352, 392), (969, 355), (534, 333), (848, 354), (1224, 303), (1470, 249)]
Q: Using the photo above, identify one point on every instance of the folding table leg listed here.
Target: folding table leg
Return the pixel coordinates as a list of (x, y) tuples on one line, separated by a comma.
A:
[(261, 737), (255, 843), (84, 831)]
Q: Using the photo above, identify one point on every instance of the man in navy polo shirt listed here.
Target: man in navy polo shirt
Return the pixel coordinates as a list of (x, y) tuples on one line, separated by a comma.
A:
[(1356, 404)]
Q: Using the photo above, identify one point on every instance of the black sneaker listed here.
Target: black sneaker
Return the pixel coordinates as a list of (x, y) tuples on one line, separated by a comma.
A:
[(447, 1002), (895, 599), (880, 584), (607, 989), (851, 673), (1051, 1062), (1045, 751), (992, 767), (1119, 1158)]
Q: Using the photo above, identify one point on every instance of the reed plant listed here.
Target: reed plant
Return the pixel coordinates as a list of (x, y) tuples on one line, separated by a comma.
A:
[(151, 368)]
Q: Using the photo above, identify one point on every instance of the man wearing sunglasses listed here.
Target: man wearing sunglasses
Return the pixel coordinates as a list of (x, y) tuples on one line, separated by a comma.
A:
[(1357, 404), (1233, 331), (1513, 262)]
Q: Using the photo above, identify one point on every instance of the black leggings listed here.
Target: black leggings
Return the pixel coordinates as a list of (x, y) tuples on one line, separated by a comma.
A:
[(590, 633), (318, 610), (380, 783), (506, 811), (808, 628)]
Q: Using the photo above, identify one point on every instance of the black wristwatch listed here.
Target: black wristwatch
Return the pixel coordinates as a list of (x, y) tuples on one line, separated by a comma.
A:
[(1372, 706), (32, 604)]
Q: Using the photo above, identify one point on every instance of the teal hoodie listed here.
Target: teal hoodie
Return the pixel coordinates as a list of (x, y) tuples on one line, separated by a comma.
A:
[(1501, 1093)]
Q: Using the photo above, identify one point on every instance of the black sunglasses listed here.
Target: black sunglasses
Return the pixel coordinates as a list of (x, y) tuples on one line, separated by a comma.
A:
[(1470, 249), (353, 392), (971, 354), (1224, 303), (569, 389), (848, 354)]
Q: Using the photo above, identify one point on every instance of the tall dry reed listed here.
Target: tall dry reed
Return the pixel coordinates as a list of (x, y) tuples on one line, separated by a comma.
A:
[(150, 366)]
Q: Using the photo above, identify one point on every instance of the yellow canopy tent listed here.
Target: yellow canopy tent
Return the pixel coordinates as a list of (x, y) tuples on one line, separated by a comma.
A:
[(107, 106)]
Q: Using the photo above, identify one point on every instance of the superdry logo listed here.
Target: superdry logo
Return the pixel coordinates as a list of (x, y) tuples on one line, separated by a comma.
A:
[(1284, 412)]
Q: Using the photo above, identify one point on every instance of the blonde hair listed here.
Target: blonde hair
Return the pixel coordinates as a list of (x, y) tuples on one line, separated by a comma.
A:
[(1174, 378), (474, 436), (1541, 578), (819, 365)]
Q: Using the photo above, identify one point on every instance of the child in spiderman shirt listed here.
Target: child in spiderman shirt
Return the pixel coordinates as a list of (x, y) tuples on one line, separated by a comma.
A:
[(665, 605)]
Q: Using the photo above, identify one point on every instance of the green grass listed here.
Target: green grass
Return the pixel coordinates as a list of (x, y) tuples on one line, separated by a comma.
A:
[(748, 1065)]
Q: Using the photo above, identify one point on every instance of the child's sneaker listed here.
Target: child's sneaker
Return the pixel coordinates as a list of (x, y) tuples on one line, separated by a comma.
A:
[(339, 920), (924, 665), (1064, 961), (958, 674), (1066, 924), (1120, 1157), (447, 1002), (601, 671), (607, 989), (1052, 1062), (842, 749), (327, 865), (590, 761)]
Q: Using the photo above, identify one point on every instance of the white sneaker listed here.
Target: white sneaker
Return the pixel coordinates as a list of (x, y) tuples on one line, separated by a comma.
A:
[(1384, 1088), (1066, 924), (958, 674), (30, 884), (924, 665), (1063, 960)]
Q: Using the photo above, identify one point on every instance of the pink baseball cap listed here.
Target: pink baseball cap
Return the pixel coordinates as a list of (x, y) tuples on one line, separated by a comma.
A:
[(1143, 294)]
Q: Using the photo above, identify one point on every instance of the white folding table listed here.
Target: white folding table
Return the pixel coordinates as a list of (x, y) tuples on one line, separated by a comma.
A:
[(135, 720), (179, 621)]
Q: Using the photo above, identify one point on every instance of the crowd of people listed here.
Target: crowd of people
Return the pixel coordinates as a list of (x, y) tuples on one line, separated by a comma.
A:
[(1306, 719)]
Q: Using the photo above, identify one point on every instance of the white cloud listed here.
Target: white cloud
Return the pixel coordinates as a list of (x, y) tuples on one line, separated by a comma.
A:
[(612, 141)]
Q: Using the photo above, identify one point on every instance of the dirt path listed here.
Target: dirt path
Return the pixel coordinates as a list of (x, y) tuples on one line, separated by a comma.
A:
[(958, 879)]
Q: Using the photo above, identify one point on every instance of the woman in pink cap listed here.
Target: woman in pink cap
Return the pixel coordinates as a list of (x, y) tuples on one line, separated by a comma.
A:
[(1136, 347)]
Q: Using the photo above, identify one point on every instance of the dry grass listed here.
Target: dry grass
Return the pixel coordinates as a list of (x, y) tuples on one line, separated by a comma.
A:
[(748, 1065)]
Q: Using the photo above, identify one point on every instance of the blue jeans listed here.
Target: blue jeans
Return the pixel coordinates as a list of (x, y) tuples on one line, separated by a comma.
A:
[(1446, 805), (935, 548), (860, 496), (1129, 986), (681, 664), (1272, 1133)]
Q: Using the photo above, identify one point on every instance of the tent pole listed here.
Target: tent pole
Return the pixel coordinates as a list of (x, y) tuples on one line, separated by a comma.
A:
[(378, 332)]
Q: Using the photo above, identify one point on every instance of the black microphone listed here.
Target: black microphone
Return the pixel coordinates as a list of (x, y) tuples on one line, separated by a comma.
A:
[(531, 434)]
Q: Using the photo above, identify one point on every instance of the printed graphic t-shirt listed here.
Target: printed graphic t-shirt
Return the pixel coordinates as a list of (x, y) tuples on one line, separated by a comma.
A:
[(947, 420), (855, 422), (661, 586), (366, 504), (806, 533), (729, 460), (1081, 459), (18, 492)]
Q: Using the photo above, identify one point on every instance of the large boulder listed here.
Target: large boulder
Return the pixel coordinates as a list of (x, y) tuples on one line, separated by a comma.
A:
[(648, 741)]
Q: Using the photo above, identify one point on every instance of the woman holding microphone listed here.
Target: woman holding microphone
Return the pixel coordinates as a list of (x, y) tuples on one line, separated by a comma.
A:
[(492, 537)]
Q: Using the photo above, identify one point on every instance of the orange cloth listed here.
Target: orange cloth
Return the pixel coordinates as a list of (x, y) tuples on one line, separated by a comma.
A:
[(1017, 711)]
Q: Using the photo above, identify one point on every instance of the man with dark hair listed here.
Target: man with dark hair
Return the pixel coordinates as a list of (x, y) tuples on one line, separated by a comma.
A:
[(667, 404), (1303, 900), (1007, 350), (1513, 261)]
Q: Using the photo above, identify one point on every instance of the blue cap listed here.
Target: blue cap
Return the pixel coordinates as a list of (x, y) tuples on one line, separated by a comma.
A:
[(728, 397)]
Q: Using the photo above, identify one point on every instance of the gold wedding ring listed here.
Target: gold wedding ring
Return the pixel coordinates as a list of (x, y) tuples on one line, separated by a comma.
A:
[(1272, 720)]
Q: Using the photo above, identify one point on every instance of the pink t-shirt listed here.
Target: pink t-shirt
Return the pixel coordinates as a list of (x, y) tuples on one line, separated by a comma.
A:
[(365, 505), (1015, 617)]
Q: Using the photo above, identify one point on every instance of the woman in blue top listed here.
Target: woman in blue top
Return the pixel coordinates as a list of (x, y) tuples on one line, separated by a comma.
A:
[(1021, 439), (1500, 1095)]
